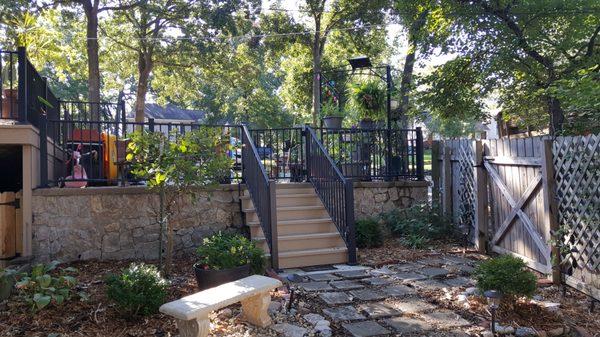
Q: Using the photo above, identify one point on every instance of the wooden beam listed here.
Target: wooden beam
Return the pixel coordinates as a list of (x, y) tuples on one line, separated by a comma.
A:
[(514, 161), (550, 210)]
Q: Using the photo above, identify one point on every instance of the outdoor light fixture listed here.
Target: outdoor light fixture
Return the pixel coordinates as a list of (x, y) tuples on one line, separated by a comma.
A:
[(394, 104), (360, 62), (493, 298)]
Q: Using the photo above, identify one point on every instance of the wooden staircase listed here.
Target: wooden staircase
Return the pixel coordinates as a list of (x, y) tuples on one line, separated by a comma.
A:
[(306, 234)]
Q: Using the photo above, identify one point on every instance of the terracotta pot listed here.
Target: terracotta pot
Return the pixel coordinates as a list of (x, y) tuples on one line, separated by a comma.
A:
[(208, 278), (10, 108)]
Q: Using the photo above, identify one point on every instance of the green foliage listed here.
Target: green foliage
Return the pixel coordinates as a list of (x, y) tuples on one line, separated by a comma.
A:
[(507, 274), (331, 109), (417, 225), (368, 233), (180, 161), (47, 284), (224, 251), (369, 98), (138, 291)]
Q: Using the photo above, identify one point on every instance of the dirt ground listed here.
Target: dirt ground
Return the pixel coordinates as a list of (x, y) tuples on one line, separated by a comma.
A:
[(99, 317)]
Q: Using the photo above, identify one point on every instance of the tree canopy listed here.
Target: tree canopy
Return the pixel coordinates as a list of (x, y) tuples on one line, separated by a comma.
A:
[(536, 62)]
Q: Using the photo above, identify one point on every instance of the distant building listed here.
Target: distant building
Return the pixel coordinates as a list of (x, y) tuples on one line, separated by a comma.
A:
[(169, 117), (170, 114)]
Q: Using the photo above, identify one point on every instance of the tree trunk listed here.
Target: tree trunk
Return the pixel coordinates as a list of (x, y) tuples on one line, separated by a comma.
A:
[(144, 69), (316, 88), (557, 116), (91, 12), (409, 64)]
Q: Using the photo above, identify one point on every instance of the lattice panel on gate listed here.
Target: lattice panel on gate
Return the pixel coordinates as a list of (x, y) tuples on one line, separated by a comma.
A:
[(466, 189), (577, 171)]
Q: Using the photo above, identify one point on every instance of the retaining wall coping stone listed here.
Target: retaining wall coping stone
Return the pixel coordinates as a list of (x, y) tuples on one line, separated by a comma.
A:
[(388, 184), (115, 190)]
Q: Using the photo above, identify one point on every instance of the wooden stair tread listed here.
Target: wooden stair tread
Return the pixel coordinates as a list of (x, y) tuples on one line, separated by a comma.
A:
[(293, 222), (302, 236), (309, 252), (289, 208)]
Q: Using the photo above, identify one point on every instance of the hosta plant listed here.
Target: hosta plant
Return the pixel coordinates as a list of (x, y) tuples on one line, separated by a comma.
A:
[(47, 284)]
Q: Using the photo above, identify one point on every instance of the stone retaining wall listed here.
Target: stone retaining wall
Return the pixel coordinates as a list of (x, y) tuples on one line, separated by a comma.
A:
[(373, 198), (118, 222)]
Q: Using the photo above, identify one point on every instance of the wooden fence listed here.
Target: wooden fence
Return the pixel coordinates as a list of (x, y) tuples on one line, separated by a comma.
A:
[(535, 198)]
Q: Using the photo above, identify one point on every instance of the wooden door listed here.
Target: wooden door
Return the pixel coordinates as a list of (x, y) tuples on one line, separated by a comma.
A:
[(8, 224)]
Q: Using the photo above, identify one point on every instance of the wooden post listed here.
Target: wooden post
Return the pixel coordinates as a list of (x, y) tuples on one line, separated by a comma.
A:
[(435, 173), (447, 179), (481, 200), (550, 207)]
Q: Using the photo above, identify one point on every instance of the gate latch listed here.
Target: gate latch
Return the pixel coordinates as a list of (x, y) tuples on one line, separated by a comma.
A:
[(15, 203)]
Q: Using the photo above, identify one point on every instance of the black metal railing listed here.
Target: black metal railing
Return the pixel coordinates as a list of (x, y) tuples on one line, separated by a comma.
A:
[(92, 111), (368, 154), (262, 191), (103, 149), (9, 85), (281, 151), (335, 191)]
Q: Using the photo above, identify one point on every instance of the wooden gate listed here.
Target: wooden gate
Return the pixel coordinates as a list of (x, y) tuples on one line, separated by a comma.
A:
[(520, 219), (10, 225)]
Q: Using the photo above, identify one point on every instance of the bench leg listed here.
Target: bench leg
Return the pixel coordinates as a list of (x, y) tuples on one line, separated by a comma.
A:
[(255, 309), (198, 327)]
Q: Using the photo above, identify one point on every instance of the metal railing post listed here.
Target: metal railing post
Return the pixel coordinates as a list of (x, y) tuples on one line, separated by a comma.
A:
[(43, 130), (420, 155), (273, 224), (350, 225), (151, 124), (306, 135), (22, 86)]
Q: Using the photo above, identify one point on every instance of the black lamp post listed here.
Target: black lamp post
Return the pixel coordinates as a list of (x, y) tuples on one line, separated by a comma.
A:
[(493, 298)]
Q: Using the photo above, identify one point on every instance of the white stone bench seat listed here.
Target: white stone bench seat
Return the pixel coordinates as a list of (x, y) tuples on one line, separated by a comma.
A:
[(191, 312)]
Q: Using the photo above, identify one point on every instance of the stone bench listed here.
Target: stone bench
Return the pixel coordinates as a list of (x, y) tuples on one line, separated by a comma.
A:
[(191, 312)]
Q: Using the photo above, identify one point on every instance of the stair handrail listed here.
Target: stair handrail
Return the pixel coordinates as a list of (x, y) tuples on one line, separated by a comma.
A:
[(262, 191), (335, 191)]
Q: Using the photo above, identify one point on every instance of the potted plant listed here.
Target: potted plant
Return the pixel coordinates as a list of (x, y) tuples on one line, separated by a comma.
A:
[(333, 116), (369, 98), (226, 257), (10, 95)]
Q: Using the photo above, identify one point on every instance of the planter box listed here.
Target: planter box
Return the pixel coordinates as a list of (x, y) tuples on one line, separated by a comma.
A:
[(10, 106)]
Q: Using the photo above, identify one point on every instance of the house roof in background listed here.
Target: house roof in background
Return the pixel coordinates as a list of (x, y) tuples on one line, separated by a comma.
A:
[(172, 112)]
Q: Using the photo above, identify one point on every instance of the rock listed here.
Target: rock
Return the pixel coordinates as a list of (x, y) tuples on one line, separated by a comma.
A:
[(487, 334), (313, 319), (581, 332), (556, 332), (462, 298), (472, 291), (550, 306), (525, 332), (365, 329), (290, 330), (542, 334), (504, 330), (538, 297), (274, 307), (225, 314), (334, 298)]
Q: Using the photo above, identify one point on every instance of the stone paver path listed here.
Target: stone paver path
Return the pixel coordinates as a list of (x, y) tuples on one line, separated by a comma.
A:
[(388, 301)]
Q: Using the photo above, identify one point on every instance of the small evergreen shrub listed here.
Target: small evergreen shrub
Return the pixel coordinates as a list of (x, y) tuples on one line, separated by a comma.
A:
[(138, 291), (507, 274), (368, 233), (226, 250), (417, 225)]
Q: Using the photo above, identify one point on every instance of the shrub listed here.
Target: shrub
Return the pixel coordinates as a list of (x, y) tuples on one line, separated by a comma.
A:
[(368, 233), (507, 274), (225, 251), (417, 225), (41, 287), (138, 291)]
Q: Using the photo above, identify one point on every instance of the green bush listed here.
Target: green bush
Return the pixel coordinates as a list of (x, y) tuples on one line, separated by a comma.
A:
[(417, 225), (368, 233), (507, 274), (138, 291), (47, 284), (225, 251)]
